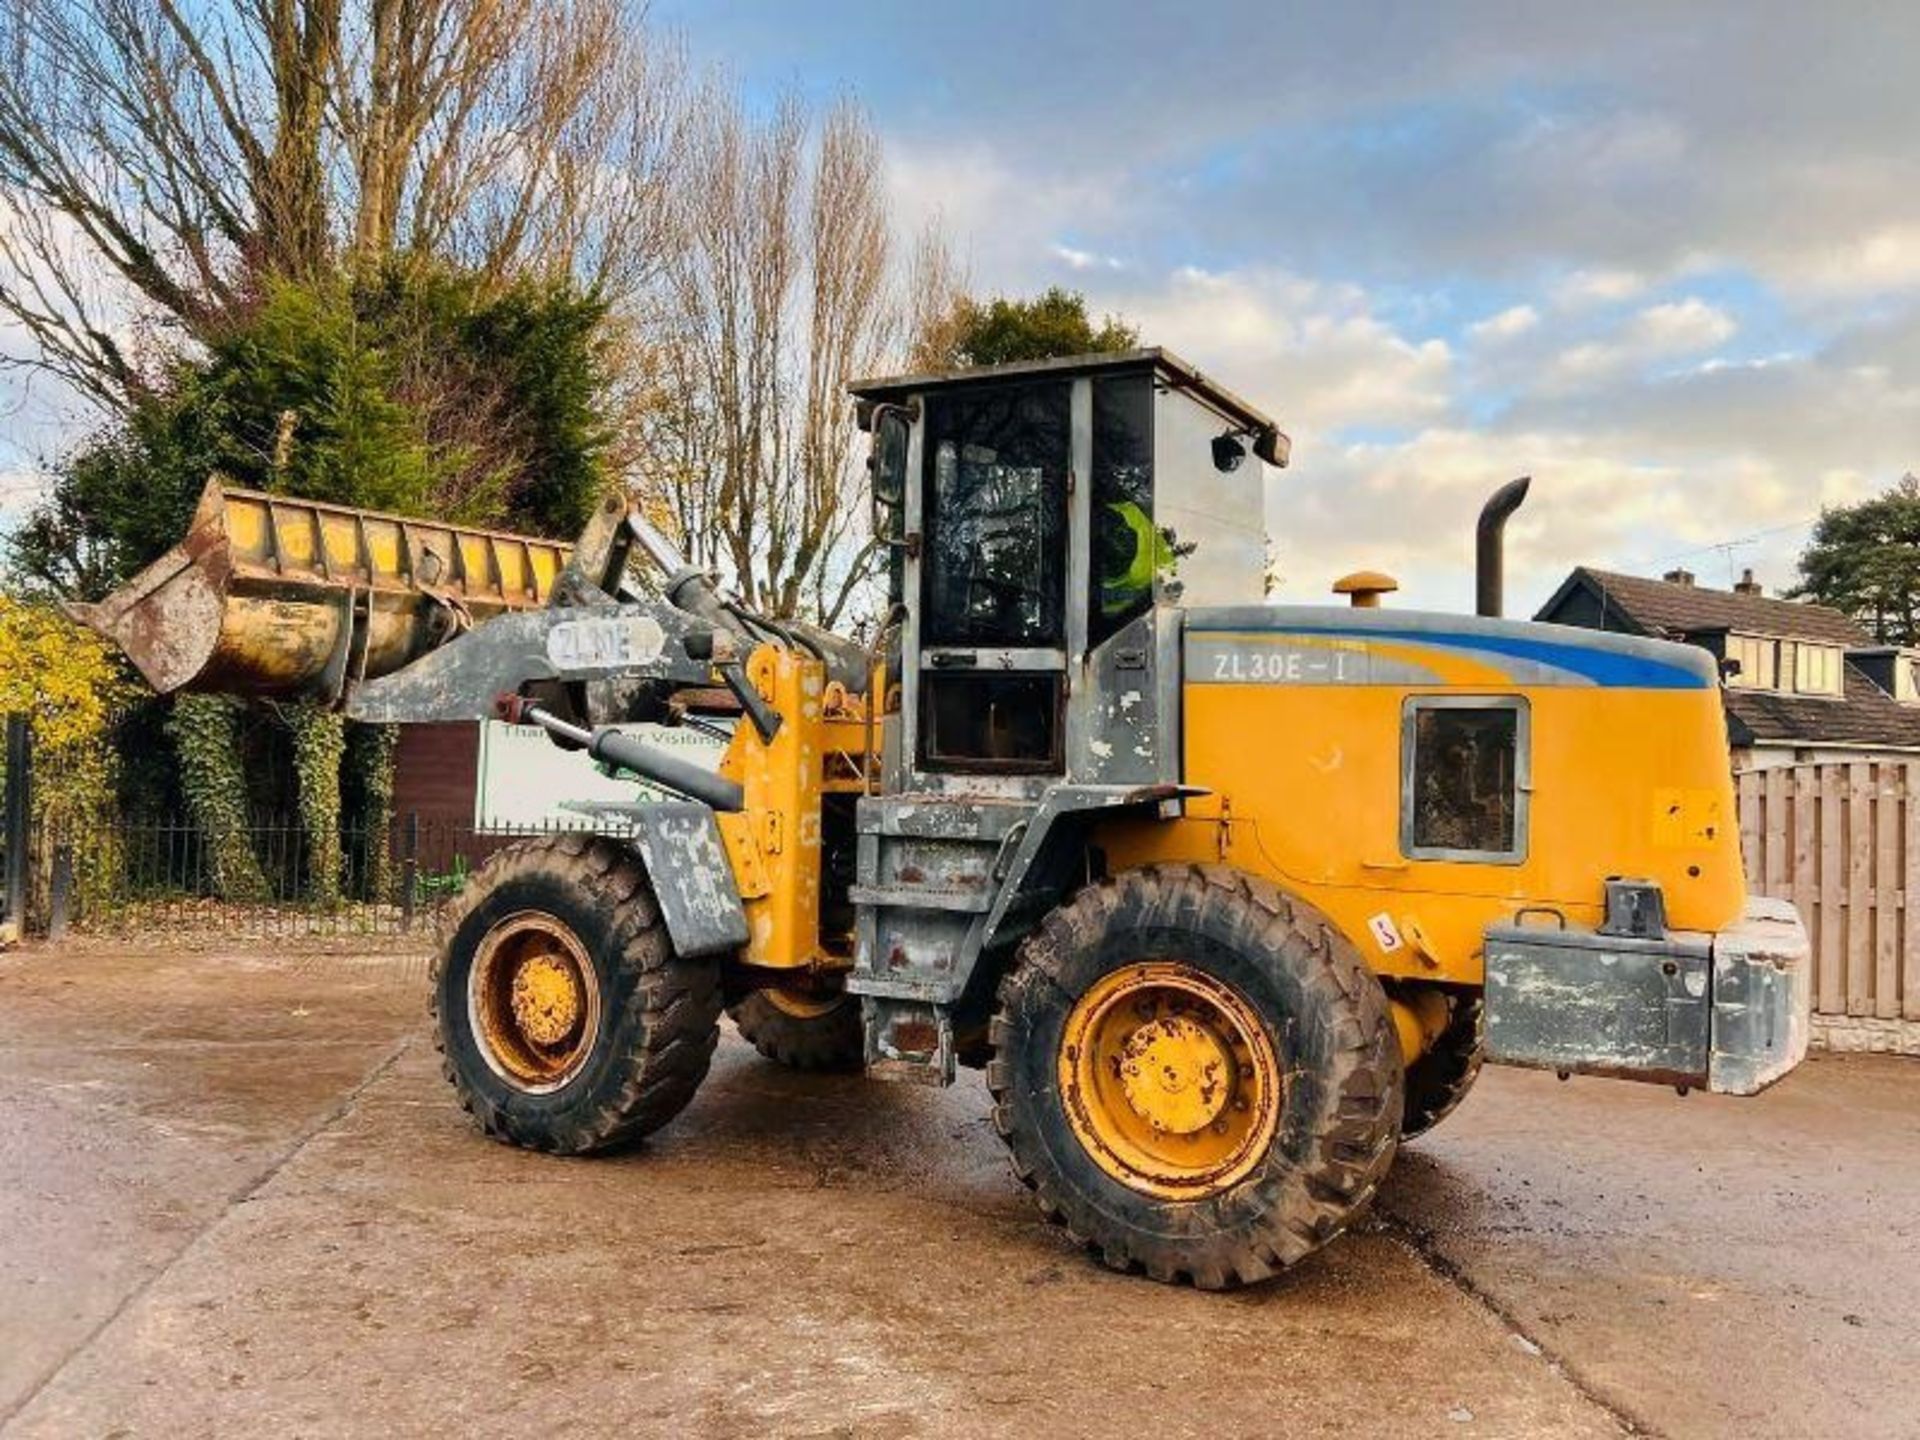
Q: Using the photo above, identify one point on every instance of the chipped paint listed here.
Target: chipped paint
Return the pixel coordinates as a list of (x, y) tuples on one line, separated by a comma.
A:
[(1727, 1012), (281, 596), (679, 843)]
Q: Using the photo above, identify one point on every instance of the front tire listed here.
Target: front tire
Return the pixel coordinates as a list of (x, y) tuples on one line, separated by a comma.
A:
[(1196, 1075), (565, 1021)]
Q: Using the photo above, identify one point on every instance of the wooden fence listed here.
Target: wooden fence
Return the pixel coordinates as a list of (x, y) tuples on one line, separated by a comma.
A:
[(1842, 842)]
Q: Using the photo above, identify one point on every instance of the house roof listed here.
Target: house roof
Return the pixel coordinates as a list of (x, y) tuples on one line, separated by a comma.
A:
[(1666, 607), (1866, 716), (1863, 715)]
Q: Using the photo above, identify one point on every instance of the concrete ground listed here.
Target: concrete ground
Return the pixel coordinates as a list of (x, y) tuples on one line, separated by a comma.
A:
[(235, 1199)]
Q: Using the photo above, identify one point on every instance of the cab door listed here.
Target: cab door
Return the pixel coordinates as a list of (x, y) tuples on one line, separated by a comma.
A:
[(990, 629)]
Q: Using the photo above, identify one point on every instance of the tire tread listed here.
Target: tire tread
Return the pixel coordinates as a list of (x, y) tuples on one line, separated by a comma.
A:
[(674, 1006), (1347, 1161)]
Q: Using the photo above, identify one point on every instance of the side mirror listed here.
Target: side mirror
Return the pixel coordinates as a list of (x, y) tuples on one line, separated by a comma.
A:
[(887, 470)]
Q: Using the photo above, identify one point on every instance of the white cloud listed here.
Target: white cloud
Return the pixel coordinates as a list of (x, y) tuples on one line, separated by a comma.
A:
[(1887, 258), (1086, 259), (1584, 288), (1658, 332), (1608, 148), (1722, 466), (1583, 364), (1409, 508), (1767, 362), (1509, 324), (1679, 327), (1314, 352), (1005, 220), (1633, 459)]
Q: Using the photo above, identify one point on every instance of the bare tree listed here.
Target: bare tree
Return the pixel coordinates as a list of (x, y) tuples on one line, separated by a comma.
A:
[(157, 160), (161, 162), (782, 285), (510, 134), (937, 301)]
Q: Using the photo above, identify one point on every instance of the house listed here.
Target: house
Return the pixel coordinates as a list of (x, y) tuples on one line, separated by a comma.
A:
[(1803, 681)]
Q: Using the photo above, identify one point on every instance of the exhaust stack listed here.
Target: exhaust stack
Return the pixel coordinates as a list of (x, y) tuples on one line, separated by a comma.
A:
[(1489, 561)]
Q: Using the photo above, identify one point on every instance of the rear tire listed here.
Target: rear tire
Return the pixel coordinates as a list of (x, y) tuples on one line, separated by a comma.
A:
[(565, 1021), (831, 1038), (1317, 1014), (1439, 1080)]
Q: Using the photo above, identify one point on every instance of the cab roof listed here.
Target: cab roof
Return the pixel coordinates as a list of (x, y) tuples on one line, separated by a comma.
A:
[(1173, 372)]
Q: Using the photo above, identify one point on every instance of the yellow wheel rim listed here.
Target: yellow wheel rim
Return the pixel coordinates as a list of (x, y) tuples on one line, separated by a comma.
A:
[(533, 1001), (1170, 1080)]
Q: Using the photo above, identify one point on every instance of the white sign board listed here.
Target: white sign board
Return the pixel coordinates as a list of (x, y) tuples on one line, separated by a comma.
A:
[(525, 779)]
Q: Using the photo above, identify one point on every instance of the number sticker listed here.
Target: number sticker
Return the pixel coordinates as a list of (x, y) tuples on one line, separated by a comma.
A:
[(1385, 934)]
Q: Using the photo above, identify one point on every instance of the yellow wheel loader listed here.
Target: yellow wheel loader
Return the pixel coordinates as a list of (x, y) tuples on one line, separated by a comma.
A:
[(1228, 898)]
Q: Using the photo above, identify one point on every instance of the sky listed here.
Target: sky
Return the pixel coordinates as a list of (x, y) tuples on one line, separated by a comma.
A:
[(1664, 258)]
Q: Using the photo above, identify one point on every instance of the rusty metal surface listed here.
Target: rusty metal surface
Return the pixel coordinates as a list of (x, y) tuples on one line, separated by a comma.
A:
[(679, 843), (459, 680), (1570, 999), (926, 872), (1762, 998), (275, 596), (534, 997), (908, 1040)]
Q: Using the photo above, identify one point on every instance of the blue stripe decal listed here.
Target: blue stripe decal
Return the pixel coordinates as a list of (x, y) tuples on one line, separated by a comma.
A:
[(1602, 667)]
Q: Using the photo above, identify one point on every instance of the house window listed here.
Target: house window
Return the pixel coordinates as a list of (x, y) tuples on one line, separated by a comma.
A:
[(1906, 672), (1794, 667), (1463, 778), (1816, 669), (1758, 662)]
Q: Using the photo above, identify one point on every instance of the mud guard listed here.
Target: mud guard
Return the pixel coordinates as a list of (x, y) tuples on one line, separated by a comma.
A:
[(679, 843)]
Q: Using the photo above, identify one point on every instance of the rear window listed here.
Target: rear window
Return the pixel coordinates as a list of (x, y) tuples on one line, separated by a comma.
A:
[(1463, 781)]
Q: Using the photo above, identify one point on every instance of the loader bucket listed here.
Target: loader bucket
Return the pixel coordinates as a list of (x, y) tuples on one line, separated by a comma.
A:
[(274, 596)]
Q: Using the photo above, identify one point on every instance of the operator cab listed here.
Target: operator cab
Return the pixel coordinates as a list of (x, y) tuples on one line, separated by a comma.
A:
[(1043, 521)]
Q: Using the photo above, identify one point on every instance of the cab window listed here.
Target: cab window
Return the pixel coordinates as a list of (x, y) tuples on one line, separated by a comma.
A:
[(1127, 550), (996, 517)]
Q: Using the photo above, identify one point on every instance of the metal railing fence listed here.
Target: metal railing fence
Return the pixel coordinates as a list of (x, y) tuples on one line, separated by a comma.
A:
[(142, 875)]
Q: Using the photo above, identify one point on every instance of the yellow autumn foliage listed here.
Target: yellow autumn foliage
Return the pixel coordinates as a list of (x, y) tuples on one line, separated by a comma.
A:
[(71, 683)]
